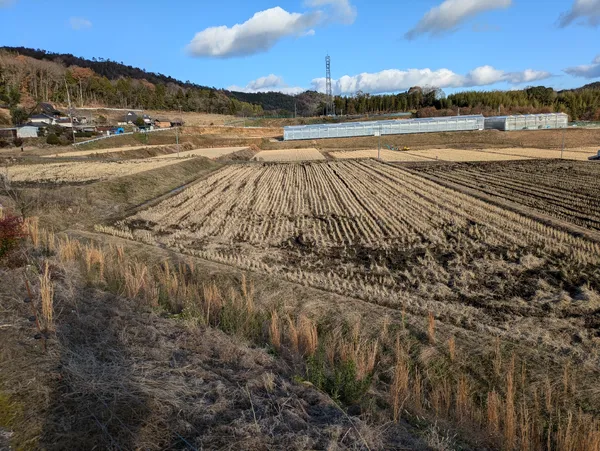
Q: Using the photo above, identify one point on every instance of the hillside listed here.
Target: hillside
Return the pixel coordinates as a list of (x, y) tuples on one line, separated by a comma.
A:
[(220, 101), (28, 76)]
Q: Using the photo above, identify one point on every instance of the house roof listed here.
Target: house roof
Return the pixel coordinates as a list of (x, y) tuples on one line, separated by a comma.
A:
[(40, 116), (48, 108)]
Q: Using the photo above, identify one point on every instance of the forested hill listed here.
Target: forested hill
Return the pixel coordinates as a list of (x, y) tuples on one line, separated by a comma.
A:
[(28, 76), (40, 75), (103, 67)]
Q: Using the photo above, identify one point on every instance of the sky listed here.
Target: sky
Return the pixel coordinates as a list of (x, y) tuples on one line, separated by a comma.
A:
[(376, 46)]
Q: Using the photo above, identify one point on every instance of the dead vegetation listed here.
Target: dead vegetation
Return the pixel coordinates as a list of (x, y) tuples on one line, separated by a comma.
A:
[(396, 374), (474, 326), (131, 363), (566, 190)]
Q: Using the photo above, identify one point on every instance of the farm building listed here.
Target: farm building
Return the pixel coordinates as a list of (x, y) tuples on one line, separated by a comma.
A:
[(28, 131), (389, 127), (527, 122), (162, 123)]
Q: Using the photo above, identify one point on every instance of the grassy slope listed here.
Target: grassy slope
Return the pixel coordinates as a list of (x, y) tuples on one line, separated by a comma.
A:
[(84, 206), (117, 375)]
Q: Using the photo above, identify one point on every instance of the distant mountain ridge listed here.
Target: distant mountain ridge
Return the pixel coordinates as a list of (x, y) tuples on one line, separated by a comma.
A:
[(114, 84)]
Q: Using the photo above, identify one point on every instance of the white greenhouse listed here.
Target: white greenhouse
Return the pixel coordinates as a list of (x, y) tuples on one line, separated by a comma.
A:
[(389, 127), (527, 122)]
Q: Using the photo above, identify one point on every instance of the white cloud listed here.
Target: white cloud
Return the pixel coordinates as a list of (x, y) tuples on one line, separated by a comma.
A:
[(451, 13), (270, 83), (589, 10), (79, 23), (341, 10), (263, 30), (257, 34), (586, 70), (394, 80)]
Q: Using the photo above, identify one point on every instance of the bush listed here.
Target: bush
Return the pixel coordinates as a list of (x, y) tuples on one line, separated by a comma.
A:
[(18, 142), (53, 139), (11, 233)]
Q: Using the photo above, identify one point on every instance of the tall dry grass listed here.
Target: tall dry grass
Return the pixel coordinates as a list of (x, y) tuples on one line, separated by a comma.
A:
[(47, 298), (509, 411)]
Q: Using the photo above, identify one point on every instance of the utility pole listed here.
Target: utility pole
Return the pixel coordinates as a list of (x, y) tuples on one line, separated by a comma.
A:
[(70, 111), (295, 110), (379, 145), (177, 130), (562, 150)]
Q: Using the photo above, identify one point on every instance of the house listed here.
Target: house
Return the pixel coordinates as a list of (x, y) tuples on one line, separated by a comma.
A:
[(48, 109), (28, 131), (42, 119), (147, 119), (162, 123), (129, 118), (65, 123)]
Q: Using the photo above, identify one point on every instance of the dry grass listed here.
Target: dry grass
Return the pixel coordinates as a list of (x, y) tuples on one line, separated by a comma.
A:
[(212, 153), (507, 414), (85, 153), (77, 172), (464, 155), (309, 154), (47, 298)]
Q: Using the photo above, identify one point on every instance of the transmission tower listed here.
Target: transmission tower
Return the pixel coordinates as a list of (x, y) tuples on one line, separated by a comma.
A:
[(330, 105)]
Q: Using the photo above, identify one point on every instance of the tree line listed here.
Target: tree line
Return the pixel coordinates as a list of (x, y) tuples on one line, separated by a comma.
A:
[(29, 76), (28, 81)]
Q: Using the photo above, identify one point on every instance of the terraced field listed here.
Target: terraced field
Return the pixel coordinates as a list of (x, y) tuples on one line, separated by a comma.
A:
[(566, 190), (282, 155), (78, 172), (464, 155), (372, 230)]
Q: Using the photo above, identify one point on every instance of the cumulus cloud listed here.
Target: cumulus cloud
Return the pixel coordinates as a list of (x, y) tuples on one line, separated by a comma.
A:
[(586, 70), (257, 34), (393, 80), (270, 83), (341, 10), (588, 10), (263, 30), (79, 23), (451, 13)]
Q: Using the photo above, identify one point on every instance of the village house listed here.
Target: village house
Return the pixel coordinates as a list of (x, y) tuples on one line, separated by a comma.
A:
[(42, 119)]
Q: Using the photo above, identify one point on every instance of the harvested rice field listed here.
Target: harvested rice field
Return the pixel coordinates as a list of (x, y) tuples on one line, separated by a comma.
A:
[(283, 155), (212, 153), (80, 172), (461, 294), (365, 228), (565, 190), (462, 155), (86, 153)]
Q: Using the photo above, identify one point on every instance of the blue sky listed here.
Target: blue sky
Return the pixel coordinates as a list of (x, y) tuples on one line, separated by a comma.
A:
[(376, 46)]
